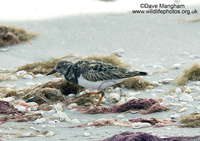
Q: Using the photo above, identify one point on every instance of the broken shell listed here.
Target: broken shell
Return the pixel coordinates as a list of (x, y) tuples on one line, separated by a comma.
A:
[(182, 109), (50, 133), (39, 75), (187, 90), (75, 121), (114, 96), (8, 99), (176, 66), (120, 116), (72, 105), (28, 76), (197, 98), (21, 73), (39, 121), (178, 90), (62, 116), (166, 81), (155, 83), (186, 97), (12, 77), (58, 107), (86, 134), (140, 125)]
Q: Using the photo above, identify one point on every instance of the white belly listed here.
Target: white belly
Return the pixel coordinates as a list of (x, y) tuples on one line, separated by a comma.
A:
[(98, 85)]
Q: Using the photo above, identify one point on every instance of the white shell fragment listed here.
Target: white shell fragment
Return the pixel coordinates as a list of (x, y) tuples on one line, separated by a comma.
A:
[(167, 80), (187, 90), (39, 75), (27, 76), (75, 121), (178, 90), (72, 105), (176, 66), (39, 121), (140, 125), (58, 107), (61, 116), (30, 84), (50, 133), (21, 73), (114, 96), (120, 116), (186, 97), (86, 134), (12, 77), (182, 109)]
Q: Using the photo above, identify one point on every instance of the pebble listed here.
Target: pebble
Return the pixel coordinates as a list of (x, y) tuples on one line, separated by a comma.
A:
[(176, 66), (158, 67), (4, 49), (197, 98), (62, 116), (120, 116), (155, 83), (178, 90), (8, 99), (86, 134), (12, 77), (186, 97), (39, 75), (39, 121), (50, 133), (71, 95), (140, 125), (21, 73), (72, 105)]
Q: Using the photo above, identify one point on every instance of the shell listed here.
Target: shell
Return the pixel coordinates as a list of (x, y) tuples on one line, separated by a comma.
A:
[(72, 105), (39, 75), (58, 107), (39, 121), (27, 76), (86, 134), (21, 73), (140, 125), (50, 133), (178, 90), (186, 97)]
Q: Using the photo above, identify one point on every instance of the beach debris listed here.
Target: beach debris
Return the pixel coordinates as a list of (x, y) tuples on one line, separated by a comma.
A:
[(139, 136), (50, 133), (39, 121), (128, 123), (166, 81), (58, 107), (150, 105), (10, 35), (186, 97), (72, 105), (86, 134), (176, 66), (191, 20), (4, 77), (112, 59), (140, 125), (191, 73), (136, 83), (193, 120)]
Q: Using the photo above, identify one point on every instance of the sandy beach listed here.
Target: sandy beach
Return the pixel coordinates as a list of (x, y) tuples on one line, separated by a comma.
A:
[(149, 42)]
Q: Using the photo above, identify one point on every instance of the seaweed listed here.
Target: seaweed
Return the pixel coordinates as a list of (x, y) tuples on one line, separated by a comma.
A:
[(136, 83), (112, 59), (141, 136), (10, 35), (4, 77), (193, 120), (150, 105), (191, 73)]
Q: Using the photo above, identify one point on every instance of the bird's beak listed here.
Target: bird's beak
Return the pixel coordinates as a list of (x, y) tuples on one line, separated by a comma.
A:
[(52, 72)]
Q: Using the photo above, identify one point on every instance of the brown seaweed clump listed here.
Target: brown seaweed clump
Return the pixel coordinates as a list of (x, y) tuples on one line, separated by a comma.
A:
[(150, 105), (10, 35), (136, 83), (191, 73), (193, 120), (112, 59), (4, 77), (45, 67), (141, 136)]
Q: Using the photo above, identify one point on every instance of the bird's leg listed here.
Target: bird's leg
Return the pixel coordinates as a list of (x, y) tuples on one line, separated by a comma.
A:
[(102, 95)]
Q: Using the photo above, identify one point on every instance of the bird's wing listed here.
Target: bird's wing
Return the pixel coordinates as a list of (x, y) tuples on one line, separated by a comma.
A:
[(101, 71)]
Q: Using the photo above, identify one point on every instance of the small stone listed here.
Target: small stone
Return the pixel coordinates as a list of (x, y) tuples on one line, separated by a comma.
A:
[(39, 75), (140, 125), (114, 96), (8, 99), (39, 121), (155, 83), (21, 73), (4, 49), (178, 90), (186, 97), (72, 105), (86, 134), (197, 98), (120, 116), (71, 95), (50, 133), (157, 67)]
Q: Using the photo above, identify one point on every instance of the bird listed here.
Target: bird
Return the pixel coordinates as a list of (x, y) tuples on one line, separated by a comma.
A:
[(94, 75)]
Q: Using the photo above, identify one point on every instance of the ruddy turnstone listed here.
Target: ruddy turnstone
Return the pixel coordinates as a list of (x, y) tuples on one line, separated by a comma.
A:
[(93, 74)]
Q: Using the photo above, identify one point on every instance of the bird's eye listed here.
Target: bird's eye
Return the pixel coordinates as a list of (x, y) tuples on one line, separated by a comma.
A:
[(58, 67)]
